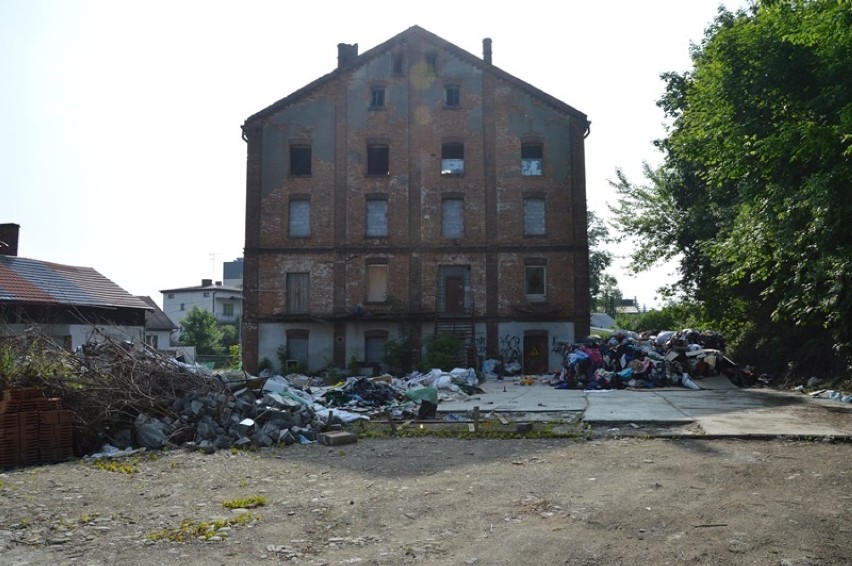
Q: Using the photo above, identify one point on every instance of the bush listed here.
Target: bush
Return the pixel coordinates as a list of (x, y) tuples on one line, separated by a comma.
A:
[(442, 351), (399, 355)]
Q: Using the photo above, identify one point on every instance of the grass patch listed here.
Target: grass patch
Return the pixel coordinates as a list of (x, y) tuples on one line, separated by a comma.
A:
[(250, 502), (116, 466), (201, 530)]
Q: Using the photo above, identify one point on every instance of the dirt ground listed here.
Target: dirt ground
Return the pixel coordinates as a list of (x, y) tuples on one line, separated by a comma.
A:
[(443, 501)]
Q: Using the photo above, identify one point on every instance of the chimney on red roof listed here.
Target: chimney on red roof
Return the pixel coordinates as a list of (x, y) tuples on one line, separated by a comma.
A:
[(9, 239)]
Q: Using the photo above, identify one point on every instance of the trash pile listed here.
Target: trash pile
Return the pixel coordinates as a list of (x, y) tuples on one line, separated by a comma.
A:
[(125, 395), (650, 360)]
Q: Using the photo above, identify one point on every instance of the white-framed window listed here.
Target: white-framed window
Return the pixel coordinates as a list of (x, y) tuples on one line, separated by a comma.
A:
[(534, 217), (377, 282), (377, 218), (452, 218), (535, 282), (228, 309), (300, 218)]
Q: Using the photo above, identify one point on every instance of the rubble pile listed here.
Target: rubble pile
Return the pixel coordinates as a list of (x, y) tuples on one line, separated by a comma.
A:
[(124, 396), (649, 360)]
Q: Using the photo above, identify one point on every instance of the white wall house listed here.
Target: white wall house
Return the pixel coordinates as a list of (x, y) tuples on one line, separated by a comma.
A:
[(226, 303)]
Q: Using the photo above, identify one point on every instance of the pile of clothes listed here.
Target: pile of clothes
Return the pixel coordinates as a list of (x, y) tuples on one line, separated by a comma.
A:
[(657, 359)]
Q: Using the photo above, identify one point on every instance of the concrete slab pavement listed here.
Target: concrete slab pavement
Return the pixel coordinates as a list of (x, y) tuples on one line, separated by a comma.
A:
[(718, 409)]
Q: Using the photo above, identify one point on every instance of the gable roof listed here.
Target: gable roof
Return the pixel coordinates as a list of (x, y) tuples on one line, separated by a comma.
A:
[(31, 281), (211, 287), (417, 33), (156, 319)]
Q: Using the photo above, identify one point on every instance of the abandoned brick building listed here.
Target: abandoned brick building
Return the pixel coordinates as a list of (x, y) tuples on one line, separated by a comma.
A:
[(416, 188)]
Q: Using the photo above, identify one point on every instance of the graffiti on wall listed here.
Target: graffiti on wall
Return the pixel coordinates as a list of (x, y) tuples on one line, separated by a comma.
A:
[(480, 346), (510, 348)]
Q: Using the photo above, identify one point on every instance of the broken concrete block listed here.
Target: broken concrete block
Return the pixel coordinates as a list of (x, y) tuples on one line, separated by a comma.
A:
[(338, 438)]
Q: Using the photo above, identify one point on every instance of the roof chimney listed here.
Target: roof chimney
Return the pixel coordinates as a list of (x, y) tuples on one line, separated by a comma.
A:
[(486, 50), (346, 53), (206, 282), (9, 239)]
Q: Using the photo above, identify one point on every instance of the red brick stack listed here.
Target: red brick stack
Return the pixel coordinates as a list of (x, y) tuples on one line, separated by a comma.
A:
[(34, 429)]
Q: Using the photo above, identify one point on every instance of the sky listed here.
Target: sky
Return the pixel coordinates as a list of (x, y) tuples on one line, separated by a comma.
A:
[(121, 146)]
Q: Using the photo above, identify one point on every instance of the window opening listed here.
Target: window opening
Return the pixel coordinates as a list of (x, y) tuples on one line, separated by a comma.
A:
[(432, 63), (452, 159), (377, 97), (300, 160), (453, 96), (396, 64), (534, 282), (378, 162), (532, 159)]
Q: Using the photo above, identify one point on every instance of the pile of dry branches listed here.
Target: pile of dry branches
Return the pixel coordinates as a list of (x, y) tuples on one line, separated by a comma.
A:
[(107, 385)]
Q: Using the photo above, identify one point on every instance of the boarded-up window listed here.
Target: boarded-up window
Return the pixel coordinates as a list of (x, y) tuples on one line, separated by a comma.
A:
[(298, 286), (452, 218), (377, 283), (534, 224), (374, 347), (377, 218), (297, 347), (300, 218)]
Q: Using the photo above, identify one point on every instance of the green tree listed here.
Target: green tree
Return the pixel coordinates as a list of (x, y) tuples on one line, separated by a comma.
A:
[(230, 335), (201, 330), (752, 195), (600, 282)]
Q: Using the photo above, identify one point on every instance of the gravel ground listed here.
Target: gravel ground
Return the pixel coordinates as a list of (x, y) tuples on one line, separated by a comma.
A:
[(435, 500)]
